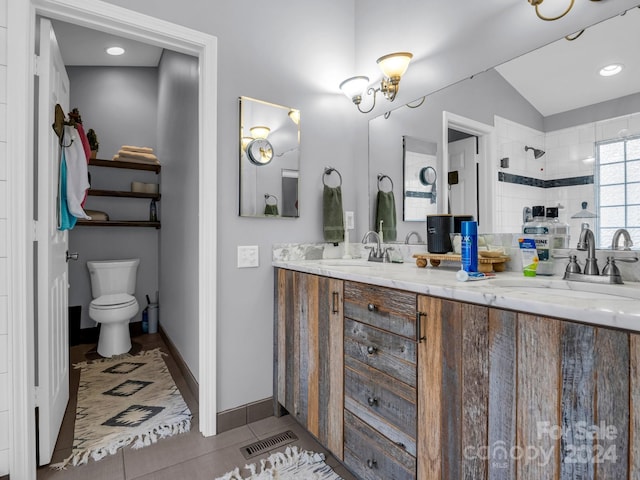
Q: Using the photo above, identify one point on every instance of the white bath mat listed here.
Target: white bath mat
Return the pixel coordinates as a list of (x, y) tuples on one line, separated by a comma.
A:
[(288, 465), (131, 400)]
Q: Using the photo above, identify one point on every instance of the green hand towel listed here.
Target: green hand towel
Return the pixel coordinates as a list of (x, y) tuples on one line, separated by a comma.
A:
[(386, 211), (332, 216), (271, 209)]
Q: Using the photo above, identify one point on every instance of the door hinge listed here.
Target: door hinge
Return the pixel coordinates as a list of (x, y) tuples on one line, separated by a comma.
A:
[(36, 65), (34, 232), (36, 396)]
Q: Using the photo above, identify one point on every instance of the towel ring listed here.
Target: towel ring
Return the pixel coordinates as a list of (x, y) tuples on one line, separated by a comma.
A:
[(327, 171), (381, 177), (267, 196)]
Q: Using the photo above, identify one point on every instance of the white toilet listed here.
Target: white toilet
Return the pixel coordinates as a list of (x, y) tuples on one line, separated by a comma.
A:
[(113, 283)]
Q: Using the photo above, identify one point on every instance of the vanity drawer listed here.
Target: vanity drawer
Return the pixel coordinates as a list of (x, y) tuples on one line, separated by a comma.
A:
[(382, 402), (389, 353), (371, 456), (382, 307)]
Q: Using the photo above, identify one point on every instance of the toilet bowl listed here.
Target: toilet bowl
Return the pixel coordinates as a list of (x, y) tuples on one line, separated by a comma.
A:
[(113, 305)]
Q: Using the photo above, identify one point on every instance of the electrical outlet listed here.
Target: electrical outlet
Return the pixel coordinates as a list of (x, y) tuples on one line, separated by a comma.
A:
[(349, 220), (248, 256)]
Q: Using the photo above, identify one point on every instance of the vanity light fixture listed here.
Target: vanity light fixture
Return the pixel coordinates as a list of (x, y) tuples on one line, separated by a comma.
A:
[(115, 51), (260, 131), (245, 142), (611, 70), (537, 3), (393, 66)]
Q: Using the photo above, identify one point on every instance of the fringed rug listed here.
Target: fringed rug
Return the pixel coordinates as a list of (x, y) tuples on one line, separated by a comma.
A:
[(123, 401), (288, 465)]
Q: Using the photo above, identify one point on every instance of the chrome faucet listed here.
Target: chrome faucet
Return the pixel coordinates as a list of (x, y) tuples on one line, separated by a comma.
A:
[(376, 253), (627, 244), (410, 234), (588, 242)]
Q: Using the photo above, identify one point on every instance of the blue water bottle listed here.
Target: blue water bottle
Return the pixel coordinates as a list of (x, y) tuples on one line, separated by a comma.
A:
[(469, 246)]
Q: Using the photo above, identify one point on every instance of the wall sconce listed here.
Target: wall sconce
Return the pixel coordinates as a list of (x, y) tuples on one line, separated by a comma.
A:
[(537, 3), (294, 115), (259, 132), (393, 66)]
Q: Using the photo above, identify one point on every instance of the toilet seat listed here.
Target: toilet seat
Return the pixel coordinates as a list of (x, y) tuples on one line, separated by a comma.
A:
[(117, 300)]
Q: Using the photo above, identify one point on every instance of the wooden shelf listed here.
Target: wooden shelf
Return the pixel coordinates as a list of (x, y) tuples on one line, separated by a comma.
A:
[(151, 167), (122, 194), (118, 223)]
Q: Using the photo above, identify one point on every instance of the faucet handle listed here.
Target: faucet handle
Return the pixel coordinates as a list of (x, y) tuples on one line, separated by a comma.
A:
[(611, 269), (572, 266)]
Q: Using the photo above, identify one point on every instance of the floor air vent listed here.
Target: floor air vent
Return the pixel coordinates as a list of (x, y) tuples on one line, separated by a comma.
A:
[(261, 446)]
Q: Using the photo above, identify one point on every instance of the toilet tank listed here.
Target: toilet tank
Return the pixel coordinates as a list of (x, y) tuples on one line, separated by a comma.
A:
[(113, 276)]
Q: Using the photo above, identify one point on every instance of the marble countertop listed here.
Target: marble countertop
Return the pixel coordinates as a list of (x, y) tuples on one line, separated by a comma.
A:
[(615, 306)]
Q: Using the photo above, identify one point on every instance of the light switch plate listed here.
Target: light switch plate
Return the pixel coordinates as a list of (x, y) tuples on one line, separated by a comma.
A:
[(248, 256), (349, 220)]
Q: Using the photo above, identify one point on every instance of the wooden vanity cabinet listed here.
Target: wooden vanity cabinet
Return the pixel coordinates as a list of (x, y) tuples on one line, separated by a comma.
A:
[(401, 386), (309, 353)]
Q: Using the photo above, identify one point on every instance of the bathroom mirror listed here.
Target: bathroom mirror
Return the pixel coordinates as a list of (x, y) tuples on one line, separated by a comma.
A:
[(420, 176), (502, 99), (269, 152)]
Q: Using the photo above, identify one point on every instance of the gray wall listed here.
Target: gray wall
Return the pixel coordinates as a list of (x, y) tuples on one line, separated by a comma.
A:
[(178, 147), (121, 105), (297, 60)]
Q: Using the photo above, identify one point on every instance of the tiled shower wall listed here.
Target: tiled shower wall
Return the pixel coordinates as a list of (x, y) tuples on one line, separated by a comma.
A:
[(569, 156), (5, 390)]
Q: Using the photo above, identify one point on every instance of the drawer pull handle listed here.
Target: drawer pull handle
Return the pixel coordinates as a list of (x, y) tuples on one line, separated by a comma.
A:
[(401, 445), (371, 307), (335, 298), (372, 464), (372, 401), (371, 349), (419, 336)]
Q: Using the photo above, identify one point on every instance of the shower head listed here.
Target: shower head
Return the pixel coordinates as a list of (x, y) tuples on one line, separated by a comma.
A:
[(536, 152)]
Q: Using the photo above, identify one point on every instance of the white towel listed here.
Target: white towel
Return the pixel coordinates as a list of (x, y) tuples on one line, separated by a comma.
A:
[(77, 178)]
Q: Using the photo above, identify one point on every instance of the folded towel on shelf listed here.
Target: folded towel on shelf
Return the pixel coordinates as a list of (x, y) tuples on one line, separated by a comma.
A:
[(386, 211), (125, 158), (137, 155), (132, 148), (332, 215), (97, 215)]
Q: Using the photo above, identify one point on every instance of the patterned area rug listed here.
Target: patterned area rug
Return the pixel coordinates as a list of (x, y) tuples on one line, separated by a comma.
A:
[(288, 465), (123, 401)]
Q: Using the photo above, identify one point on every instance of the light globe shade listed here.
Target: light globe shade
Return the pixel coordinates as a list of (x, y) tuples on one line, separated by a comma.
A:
[(294, 115), (354, 86), (394, 64), (260, 131)]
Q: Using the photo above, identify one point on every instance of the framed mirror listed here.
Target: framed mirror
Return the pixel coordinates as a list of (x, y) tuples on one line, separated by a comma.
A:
[(420, 177), (544, 99), (269, 153)]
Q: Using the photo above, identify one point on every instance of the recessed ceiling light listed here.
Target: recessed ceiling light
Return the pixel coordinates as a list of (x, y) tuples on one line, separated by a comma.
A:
[(610, 70), (115, 51)]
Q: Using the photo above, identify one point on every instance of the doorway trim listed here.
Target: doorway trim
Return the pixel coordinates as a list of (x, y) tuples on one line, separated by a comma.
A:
[(488, 171), (106, 17)]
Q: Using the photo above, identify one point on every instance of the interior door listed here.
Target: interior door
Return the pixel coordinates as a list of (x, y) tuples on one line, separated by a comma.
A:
[(463, 196), (52, 375)]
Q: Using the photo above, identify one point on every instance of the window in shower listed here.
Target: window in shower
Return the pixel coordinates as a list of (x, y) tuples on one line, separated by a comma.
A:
[(618, 180)]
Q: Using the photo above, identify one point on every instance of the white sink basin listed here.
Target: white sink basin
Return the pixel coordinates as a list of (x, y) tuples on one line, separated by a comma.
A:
[(566, 288), (338, 262)]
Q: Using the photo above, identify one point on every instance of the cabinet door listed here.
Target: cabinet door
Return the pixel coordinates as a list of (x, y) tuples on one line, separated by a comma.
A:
[(310, 354), (505, 395)]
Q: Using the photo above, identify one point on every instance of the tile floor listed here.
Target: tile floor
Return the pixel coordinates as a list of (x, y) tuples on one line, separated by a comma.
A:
[(185, 456)]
